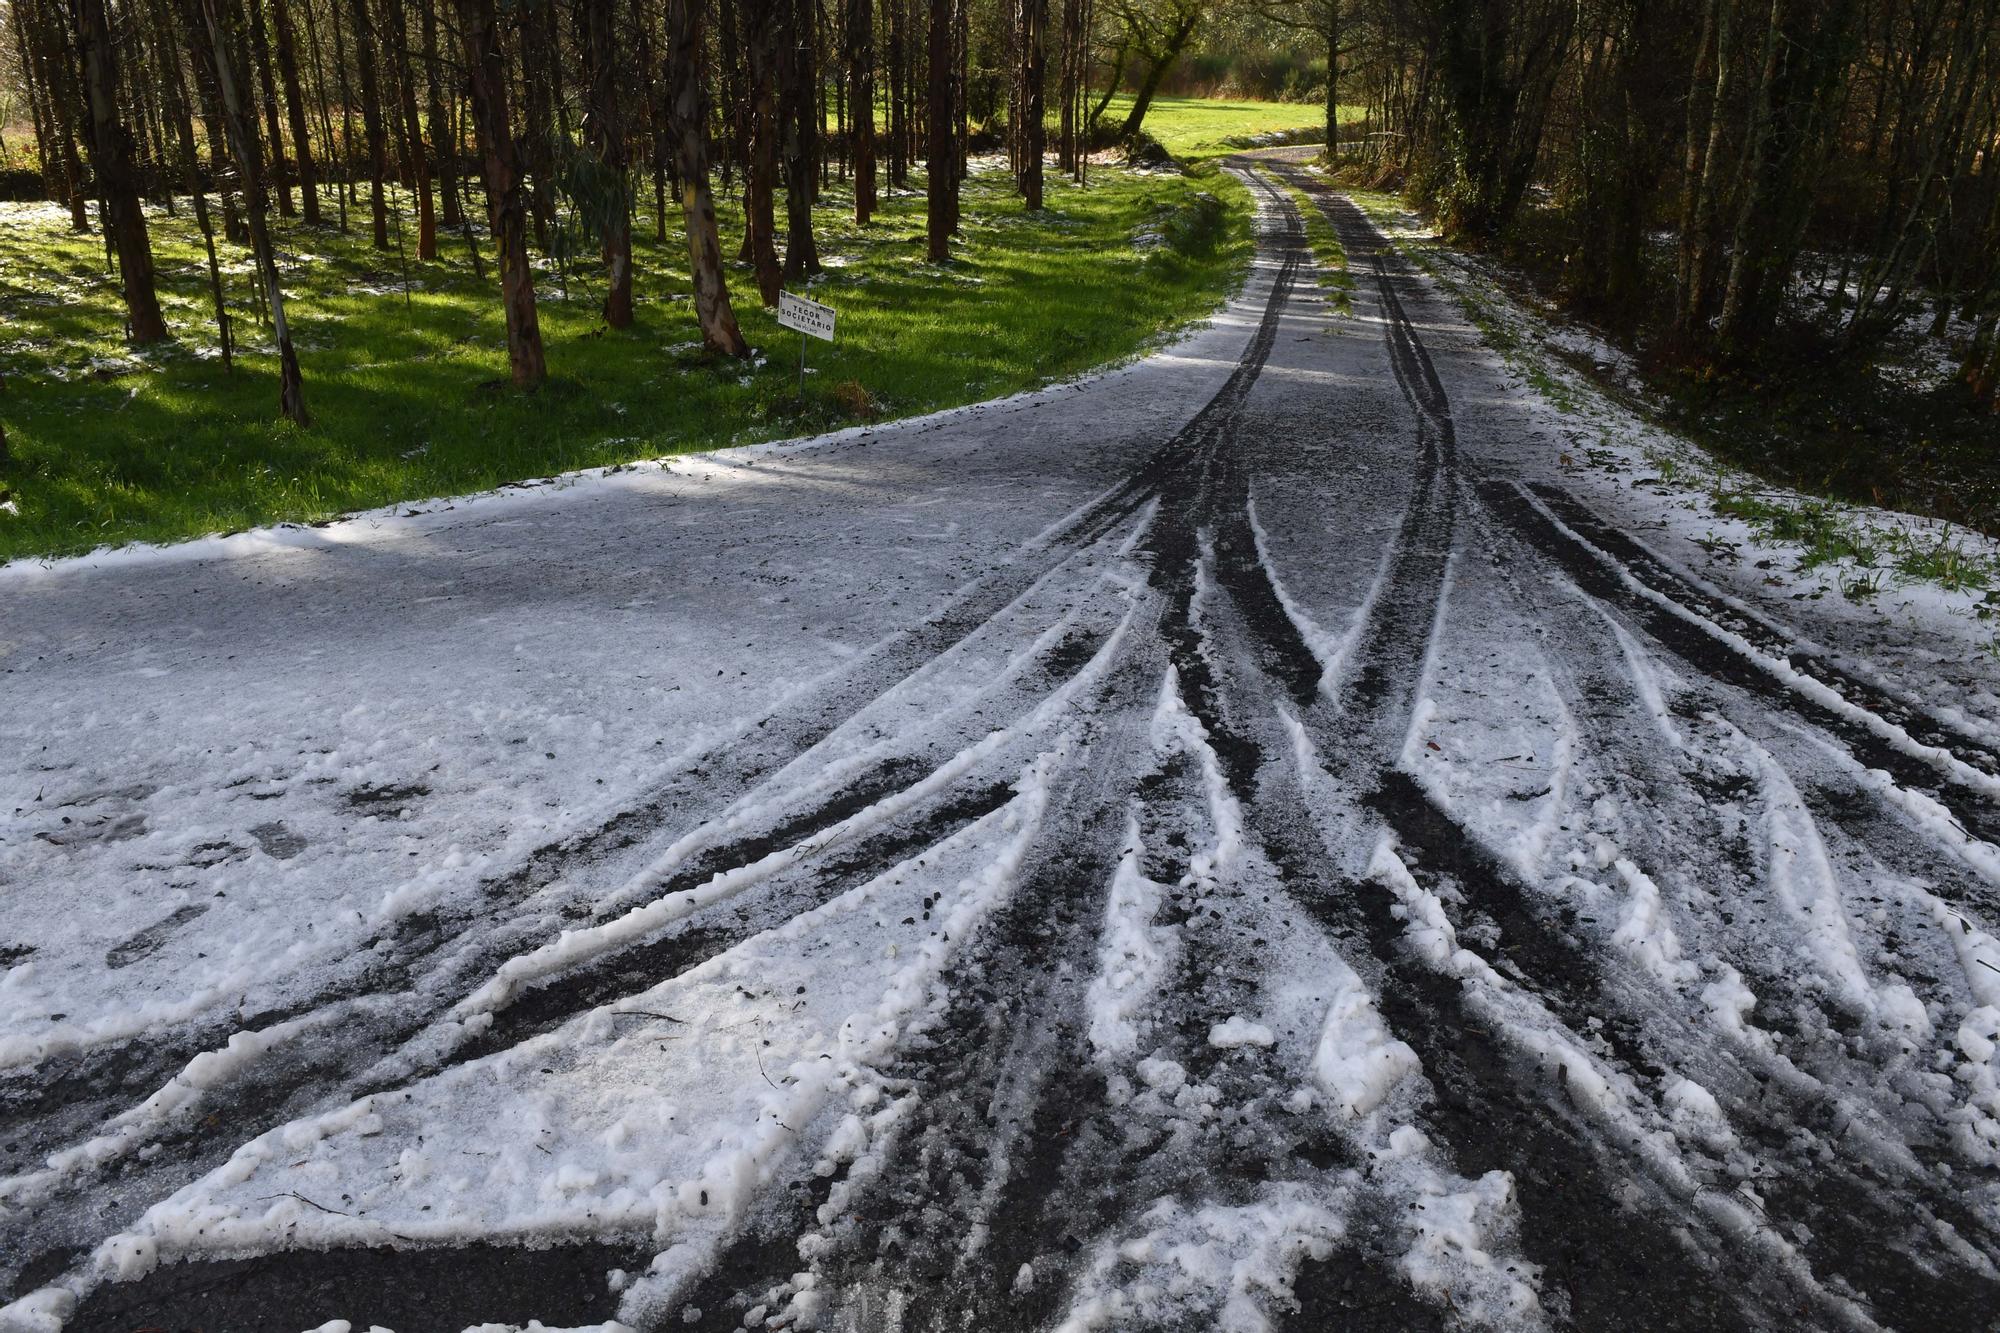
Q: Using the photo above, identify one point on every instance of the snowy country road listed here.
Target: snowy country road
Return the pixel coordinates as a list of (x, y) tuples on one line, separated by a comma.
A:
[(1247, 841)]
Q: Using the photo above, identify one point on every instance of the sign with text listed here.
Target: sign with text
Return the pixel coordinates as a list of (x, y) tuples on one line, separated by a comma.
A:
[(808, 317)]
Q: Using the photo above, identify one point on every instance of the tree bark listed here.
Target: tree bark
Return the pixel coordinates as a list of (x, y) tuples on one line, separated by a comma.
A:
[(861, 104), (444, 146), (416, 157), (242, 127), (176, 92), (942, 167), (688, 116), (286, 43), (486, 73), (117, 183), (260, 50), (761, 176), (67, 109), (605, 133), (797, 108), (1034, 78), (371, 117)]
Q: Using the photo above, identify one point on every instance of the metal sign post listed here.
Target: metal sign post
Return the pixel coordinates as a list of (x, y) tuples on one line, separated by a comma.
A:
[(811, 319)]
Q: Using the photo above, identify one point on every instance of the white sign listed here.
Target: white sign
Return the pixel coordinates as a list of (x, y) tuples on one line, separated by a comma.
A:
[(809, 317)]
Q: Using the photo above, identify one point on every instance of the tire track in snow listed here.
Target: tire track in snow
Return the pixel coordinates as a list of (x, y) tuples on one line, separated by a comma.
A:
[(791, 732), (1396, 807), (1861, 1206)]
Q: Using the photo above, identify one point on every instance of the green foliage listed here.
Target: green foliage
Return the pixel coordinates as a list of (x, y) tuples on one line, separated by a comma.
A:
[(1830, 536), (411, 400)]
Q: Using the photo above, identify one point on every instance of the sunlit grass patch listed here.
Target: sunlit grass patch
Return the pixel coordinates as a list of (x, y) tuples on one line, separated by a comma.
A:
[(1198, 127), (405, 363)]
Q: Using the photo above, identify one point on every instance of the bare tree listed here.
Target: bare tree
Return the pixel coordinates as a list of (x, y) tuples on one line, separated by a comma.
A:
[(486, 81), (117, 182)]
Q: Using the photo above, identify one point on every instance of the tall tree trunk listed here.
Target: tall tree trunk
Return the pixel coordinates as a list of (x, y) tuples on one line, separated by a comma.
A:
[(539, 136), (1034, 77), (1332, 35), (176, 95), (295, 107), (416, 157), (899, 130), (325, 110), (68, 110), (486, 77), (796, 110), (444, 147), (371, 117), (861, 103), (340, 63), (942, 167), (242, 124), (38, 117), (761, 177), (604, 130), (260, 50), (1700, 128), (117, 184), (687, 112)]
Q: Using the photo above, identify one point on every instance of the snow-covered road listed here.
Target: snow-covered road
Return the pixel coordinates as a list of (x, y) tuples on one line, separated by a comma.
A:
[(1247, 841)]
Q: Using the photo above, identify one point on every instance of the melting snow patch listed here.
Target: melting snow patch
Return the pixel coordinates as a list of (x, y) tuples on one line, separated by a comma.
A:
[(1239, 1031), (1225, 1268)]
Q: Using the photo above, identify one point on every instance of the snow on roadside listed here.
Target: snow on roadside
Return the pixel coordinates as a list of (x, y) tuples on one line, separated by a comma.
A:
[(1658, 487)]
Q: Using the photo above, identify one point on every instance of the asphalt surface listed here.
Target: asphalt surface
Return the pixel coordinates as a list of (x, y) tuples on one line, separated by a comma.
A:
[(1390, 895)]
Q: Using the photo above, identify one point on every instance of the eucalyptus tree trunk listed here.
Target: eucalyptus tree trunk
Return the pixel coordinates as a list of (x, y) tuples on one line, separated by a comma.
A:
[(1034, 78), (605, 133), (371, 117), (861, 103), (242, 128), (796, 111), (942, 168), (416, 157), (260, 50), (486, 80), (687, 112), (117, 183), (286, 44)]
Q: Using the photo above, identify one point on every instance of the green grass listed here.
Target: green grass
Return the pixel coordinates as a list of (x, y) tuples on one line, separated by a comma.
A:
[(1329, 254), (409, 401), (1192, 128)]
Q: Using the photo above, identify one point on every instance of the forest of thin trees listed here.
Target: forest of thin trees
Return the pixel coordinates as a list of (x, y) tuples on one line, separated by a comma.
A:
[(1698, 163), (1694, 164), (548, 119)]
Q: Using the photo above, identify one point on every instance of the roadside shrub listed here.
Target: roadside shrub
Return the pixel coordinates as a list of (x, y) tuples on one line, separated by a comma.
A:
[(1194, 229)]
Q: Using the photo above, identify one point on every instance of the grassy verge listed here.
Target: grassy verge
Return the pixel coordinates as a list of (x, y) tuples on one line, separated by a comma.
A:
[(1861, 555), (408, 394)]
